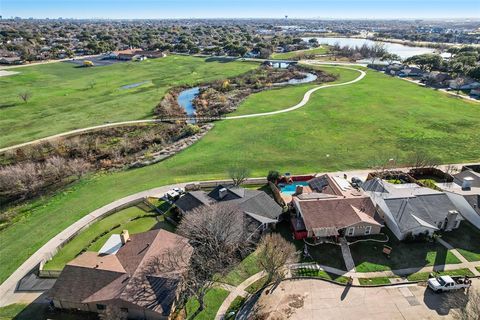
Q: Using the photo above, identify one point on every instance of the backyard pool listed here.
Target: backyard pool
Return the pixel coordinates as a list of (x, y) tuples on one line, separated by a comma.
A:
[(290, 188)]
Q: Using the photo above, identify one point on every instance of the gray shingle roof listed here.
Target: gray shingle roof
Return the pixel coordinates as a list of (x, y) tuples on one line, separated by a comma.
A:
[(429, 208), (252, 201)]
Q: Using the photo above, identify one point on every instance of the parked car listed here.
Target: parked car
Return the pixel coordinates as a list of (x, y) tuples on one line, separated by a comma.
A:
[(448, 283)]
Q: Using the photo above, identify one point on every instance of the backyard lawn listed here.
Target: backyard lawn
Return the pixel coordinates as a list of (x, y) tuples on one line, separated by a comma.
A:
[(133, 219), (368, 256), (324, 254), (341, 128), (213, 300), (247, 268), (65, 97), (295, 54), (466, 239)]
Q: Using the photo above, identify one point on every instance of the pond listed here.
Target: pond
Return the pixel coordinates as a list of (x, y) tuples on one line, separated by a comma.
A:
[(185, 100), (402, 50), (309, 77)]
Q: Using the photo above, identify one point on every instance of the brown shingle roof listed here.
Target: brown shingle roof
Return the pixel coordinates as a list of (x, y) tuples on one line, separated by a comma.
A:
[(339, 213), (128, 275)]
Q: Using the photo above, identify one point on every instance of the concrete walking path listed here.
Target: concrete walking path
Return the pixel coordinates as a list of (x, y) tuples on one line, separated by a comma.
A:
[(302, 103), (239, 291), (347, 255)]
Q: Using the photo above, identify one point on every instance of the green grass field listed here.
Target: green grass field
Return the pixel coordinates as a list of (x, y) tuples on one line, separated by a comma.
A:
[(62, 97), (93, 238), (341, 128), (293, 54)]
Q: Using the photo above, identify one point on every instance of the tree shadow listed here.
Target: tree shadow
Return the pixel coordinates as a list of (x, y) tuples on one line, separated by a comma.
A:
[(443, 303), (345, 292)]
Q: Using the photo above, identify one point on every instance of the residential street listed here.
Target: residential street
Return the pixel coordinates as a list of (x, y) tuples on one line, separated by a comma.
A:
[(316, 299)]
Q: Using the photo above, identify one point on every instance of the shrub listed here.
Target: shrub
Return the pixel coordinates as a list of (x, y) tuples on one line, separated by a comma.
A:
[(273, 176)]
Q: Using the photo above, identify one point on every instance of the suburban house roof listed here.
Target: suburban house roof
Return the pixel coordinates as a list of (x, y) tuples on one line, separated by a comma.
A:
[(255, 203), (473, 175), (338, 213), (409, 204), (422, 210), (133, 275), (334, 205)]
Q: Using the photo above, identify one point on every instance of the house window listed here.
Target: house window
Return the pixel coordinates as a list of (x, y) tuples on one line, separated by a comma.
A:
[(440, 225), (124, 310), (350, 231), (101, 306), (368, 229)]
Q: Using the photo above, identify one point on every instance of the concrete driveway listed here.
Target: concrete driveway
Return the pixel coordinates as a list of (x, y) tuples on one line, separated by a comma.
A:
[(316, 299)]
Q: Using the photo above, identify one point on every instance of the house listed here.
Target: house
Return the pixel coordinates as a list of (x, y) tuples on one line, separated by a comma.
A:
[(436, 79), (255, 204), (10, 60), (394, 69), (475, 93), (125, 274), (464, 192), (410, 72), (411, 210), (334, 208), (126, 55), (463, 83)]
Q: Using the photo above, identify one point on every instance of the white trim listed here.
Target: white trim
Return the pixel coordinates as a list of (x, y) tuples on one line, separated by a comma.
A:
[(350, 231), (368, 230)]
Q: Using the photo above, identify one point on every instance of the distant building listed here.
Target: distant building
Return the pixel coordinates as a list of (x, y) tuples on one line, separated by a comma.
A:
[(10, 60)]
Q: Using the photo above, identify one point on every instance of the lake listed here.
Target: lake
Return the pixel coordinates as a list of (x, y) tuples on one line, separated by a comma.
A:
[(402, 50)]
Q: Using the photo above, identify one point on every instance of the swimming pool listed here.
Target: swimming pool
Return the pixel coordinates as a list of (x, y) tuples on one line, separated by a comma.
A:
[(290, 188)]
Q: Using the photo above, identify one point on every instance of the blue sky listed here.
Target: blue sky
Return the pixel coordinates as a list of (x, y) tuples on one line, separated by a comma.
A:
[(130, 9)]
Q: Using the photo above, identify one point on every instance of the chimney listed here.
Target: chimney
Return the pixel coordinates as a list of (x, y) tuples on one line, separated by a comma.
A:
[(124, 236), (222, 193), (299, 189), (467, 183)]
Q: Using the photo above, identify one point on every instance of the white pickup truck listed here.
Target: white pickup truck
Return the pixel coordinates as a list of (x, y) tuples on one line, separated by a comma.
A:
[(448, 283)]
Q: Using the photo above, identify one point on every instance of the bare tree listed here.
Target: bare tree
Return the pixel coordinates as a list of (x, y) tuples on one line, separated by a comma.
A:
[(421, 159), (113, 312), (218, 236), (25, 96), (238, 175), (274, 254)]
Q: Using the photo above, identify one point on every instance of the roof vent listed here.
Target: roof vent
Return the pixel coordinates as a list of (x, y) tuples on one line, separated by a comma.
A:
[(222, 193)]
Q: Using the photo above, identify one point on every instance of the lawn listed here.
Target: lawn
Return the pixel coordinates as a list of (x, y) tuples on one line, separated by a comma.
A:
[(374, 281), (466, 239), (324, 254), (341, 128), (295, 54), (257, 285), (213, 300), (94, 237), (310, 272), (247, 268), (423, 276), (368, 256), (65, 97)]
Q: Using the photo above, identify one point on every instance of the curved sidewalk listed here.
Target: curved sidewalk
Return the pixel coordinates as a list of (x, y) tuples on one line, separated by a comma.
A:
[(306, 98)]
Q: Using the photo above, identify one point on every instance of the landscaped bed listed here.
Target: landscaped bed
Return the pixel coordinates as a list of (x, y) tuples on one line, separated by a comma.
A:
[(133, 219), (466, 239), (368, 256)]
